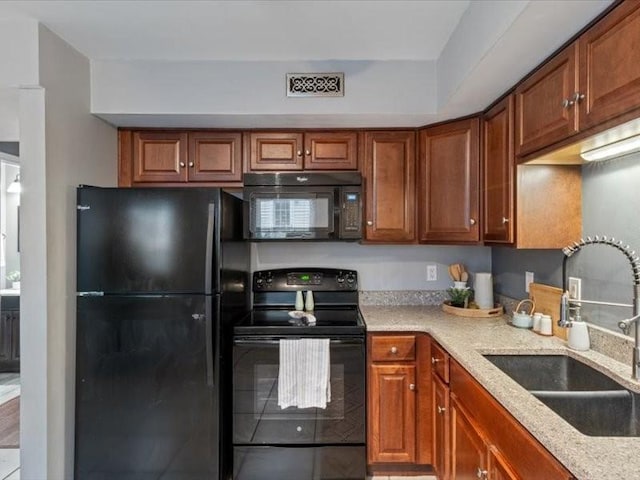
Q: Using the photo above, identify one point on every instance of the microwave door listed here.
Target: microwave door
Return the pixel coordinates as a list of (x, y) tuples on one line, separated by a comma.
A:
[(292, 214)]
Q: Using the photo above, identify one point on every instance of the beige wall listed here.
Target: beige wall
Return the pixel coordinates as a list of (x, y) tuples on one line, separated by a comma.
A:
[(78, 149)]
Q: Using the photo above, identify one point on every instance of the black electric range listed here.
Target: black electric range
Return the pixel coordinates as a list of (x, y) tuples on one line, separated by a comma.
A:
[(270, 442)]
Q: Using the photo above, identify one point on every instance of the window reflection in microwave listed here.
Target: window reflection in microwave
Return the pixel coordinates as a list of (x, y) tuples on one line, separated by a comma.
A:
[(292, 214)]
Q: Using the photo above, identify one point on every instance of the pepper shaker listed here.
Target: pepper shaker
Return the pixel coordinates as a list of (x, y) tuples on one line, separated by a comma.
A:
[(309, 304), (299, 301)]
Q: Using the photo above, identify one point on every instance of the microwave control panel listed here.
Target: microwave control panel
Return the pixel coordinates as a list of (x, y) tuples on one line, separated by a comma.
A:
[(351, 218)]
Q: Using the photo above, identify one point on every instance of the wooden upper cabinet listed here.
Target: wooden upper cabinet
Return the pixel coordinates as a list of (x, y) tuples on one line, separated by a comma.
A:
[(167, 157), (389, 178), (545, 102), (392, 405), (448, 179), (159, 157), (275, 151), (610, 66), (215, 157), (331, 151), (498, 223), (321, 150)]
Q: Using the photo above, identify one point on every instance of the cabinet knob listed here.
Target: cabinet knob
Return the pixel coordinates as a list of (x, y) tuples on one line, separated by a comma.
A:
[(369, 222), (578, 97), (566, 103), (441, 410), (434, 360), (472, 221), (307, 152), (191, 164), (505, 220), (482, 474), (412, 386), (394, 350), (182, 164), (299, 152)]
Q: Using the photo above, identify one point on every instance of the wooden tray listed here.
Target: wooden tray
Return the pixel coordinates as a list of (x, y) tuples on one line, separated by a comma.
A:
[(473, 312)]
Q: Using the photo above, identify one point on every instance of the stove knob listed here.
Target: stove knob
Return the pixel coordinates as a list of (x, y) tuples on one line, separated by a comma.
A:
[(350, 279), (259, 282), (340, 279), (269, 279)]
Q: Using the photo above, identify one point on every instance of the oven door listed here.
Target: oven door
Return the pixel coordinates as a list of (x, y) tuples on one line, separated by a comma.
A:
[(257, 418), (290, 213)]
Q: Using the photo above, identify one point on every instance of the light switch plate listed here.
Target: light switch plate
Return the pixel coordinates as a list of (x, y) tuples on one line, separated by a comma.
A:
[(575, 288), (528, 278)]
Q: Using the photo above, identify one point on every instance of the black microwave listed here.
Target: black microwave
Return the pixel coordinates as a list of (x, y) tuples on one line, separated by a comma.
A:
[(302, 206)]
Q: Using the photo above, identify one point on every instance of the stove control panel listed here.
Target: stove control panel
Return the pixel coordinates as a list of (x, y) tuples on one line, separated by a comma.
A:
[(316, 279)]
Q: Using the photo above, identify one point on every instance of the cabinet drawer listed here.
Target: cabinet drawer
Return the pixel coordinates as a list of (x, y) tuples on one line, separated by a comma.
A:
[(440, 362), (393, 348)]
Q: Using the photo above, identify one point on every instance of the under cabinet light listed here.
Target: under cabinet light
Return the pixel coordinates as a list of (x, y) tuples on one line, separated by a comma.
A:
[(623, 147)]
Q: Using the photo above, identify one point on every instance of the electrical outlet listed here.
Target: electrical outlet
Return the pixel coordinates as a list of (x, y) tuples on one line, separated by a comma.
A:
[(528, 278), (575, 288), (432, 273)]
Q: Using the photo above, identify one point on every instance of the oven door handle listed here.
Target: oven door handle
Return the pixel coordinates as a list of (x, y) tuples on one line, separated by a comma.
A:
[(276, 341)]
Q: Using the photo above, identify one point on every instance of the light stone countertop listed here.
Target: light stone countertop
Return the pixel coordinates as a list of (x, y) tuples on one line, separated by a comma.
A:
[(466, 339)]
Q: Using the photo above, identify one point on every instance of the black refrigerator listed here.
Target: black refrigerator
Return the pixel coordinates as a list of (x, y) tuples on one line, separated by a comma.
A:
[(162, 274)]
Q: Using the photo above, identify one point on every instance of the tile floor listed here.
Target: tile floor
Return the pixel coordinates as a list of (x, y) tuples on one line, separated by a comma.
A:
[(9, 457)]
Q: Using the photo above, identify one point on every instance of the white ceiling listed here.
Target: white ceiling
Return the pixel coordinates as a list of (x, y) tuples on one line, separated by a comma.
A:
[(248, 30), (471, 50)]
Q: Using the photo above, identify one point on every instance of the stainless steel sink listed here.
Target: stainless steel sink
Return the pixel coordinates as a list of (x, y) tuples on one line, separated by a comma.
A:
[(587, 399)]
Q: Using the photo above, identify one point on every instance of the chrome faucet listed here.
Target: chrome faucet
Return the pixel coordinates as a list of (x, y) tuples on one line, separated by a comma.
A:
[(624, 325)]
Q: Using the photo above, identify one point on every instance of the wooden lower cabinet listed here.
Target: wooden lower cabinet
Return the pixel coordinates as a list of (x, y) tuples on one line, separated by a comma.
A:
[(468, 447), (399, 423), (487, 442), (441, 428)]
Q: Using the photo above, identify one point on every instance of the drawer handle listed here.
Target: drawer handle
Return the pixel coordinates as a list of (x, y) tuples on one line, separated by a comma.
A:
[(299, 152), (182, 164), (482, 474), (566, 103), (505, 220), (307, 152), (191, 164), (435, 360), (472, 221), (412, 386), (441, 410), (394, 350), (369, 222)]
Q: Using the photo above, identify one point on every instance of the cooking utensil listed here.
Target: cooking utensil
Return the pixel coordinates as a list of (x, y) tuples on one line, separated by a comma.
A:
[(464, 276)]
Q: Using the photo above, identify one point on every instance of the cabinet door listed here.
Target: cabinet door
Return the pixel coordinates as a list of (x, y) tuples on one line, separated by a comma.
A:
[(215, 157), (498, 174), (159, 157), (331, 151), (392, 418), (468, 449), (610, 66), (441, 431), (499, 469), (6, 334), (275, 151), (545, 113), (449, 183), (389, 176)]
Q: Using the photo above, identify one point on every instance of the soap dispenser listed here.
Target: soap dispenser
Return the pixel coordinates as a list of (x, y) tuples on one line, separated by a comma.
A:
[(309, 304), (578, 337)]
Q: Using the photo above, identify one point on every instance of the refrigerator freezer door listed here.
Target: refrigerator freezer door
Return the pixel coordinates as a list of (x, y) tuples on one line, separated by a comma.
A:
[(145, 407), (138, 241)]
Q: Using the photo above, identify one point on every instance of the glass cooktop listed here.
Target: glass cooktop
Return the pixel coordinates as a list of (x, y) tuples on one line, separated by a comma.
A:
[(278, 321)]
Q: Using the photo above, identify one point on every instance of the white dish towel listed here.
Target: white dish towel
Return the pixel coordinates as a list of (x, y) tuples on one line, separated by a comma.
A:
[(303, 377)]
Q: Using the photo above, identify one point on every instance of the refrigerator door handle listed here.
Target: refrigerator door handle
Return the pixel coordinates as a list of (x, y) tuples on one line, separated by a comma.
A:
[(209, 340), (208, 270)]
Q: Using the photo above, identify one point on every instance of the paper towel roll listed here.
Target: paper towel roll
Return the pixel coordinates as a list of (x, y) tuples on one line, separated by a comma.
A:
[(483, 286)]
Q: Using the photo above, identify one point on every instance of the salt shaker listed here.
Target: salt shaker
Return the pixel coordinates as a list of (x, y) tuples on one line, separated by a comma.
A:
[(309, 305), (299, 301)]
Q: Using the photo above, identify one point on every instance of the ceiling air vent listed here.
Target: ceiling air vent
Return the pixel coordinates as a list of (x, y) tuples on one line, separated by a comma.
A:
[(315, 84)]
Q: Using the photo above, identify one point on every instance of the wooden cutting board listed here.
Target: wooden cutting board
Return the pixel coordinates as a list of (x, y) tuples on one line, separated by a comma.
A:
[(547, 300)]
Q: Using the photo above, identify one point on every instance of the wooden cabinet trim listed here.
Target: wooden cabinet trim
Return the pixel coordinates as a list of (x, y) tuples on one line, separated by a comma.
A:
[(125, 158), (440, 360), (441, 439)]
